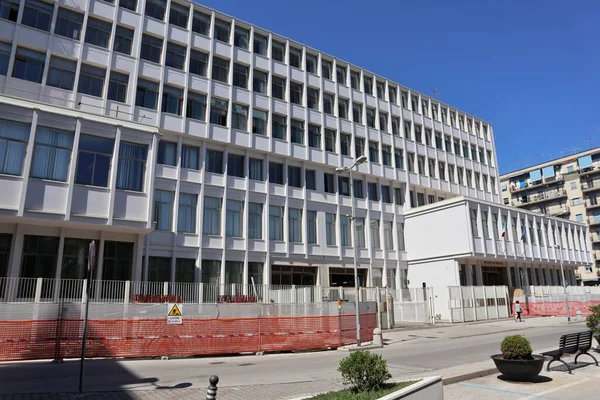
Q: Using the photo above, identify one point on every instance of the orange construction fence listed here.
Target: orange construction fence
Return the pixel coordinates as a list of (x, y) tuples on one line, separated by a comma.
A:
[(61, 338), (555, 308)]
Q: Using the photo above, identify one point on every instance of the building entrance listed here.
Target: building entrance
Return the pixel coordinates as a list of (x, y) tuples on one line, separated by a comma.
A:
[(288, 275), (345, 277)]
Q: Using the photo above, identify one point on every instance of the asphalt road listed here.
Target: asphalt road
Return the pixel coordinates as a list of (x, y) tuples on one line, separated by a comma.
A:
[(425, 350)]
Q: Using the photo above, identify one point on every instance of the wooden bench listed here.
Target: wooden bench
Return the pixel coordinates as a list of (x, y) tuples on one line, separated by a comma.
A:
[(572, 343)]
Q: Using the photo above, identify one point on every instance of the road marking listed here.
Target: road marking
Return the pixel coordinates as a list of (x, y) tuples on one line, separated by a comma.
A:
[(556, 389), (470, 385)]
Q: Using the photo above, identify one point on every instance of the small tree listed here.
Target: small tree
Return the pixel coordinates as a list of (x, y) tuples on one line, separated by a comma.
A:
[(364, 371), (593, 322), (516, 347)]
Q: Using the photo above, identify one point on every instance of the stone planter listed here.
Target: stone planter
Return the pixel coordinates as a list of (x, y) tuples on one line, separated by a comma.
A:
[(519, 370), (425, 389)]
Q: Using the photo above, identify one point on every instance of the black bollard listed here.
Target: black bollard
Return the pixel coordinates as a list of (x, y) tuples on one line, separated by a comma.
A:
[(211, 392)]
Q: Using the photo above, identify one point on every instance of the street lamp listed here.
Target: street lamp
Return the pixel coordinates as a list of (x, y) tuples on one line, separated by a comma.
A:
[(360, 160), (562, 272)]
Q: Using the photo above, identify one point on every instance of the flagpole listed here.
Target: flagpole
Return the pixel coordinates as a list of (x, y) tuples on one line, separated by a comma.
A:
[(88, 287)]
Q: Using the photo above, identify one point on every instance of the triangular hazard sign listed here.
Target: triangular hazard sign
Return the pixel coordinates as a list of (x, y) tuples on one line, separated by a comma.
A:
[(175, 312)]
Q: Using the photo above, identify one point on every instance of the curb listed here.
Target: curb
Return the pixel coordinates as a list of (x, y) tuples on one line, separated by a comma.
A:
[(468, 376)]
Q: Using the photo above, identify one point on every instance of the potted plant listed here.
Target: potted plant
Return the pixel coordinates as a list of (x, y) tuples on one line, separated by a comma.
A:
[(593, 322), (517, 363)]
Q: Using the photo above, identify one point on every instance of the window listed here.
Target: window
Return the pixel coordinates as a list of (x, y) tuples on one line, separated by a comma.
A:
[(175, 57), (278, 87), (399, 196), (68, 23), (241, 38), (375, 240), (312, 98), (52, 154), (29, 65), (220, 69), (94, 160), (185, 270), (386, 152), (13, 145), (392, 93), (311, 63), (255, 169), (297, 131), (151, 48), (276, 173), (345, 143), (240, 76), (579, 217), (438, 140), (128, 4), (328, 101), (576, 201), (234, 218), (399, 158), (421, 164), (190, 157), (38, 14), (453, 118), (295, 176), (9, 9), (373, 152), (481, 155), (340, 74), (411, 162), (344, 185), (167, 153), (198, 63), (359, 232), (383, 121), (295, 57), (342, 108), (330, 140), (172, 100), (418, 136), (432, 167), (260, 44), (235, 165), (388, 235), (275, 223), (279, 126), (61, 73), (156, 9), (91, 80), (117, 86), (465, 149), (218, 112), (457, 147), (355, 80), (311, 227), (484, 224), (123, 40), (381, 90), (214, 161), (357, 113), (326, 69), (485, 182), (345, 230), (221, 32), (255, 215), (132, 164), (329, 183), (163, 210), (442, 170), (330, 228), (459, 172), (368, 84), (469, 178), (295, 225), (386, 194), (296, 93), (396, 126), (473, 152), (314, 136), (196, 106), (211, 225), (447, 143), (373, 191), (5, 50), (239, 117), (371, 117), (39, 256), (444, 112), (310, 179), (278, 51), (97, 32), (259, 122), (359, 146), (259, 82)]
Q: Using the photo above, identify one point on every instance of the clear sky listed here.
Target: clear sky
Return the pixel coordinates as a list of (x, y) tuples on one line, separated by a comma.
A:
[(529, 67)]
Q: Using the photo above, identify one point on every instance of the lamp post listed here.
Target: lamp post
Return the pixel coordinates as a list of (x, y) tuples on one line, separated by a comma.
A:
[(357, 162), (562, 272)]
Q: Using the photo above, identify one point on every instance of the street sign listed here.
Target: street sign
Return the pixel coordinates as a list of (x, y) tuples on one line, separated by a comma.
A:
[(175, 314), (92, 256)]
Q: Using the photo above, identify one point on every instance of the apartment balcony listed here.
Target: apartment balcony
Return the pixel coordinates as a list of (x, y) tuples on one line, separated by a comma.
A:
[(590, 171), (533, 185), (539, 198), (595, 238), (590, 186), (594, 220), (592, 204), (559, 211)]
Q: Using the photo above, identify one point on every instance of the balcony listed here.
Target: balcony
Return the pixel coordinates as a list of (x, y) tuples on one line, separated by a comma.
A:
[(591, 204), (590, 186), (533, 185), (590, 171), (539, 198), (594, 220), (560, 211), (595, 238)]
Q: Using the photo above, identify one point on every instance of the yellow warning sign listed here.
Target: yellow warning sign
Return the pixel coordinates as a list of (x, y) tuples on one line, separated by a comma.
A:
[(175, 312)]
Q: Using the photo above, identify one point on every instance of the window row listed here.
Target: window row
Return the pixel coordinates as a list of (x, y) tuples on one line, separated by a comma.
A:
[(251, 226), (52, 154)]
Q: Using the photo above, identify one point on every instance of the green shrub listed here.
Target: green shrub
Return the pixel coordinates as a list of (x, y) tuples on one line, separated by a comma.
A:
[(516, 347), (364, 371), (593, 322)]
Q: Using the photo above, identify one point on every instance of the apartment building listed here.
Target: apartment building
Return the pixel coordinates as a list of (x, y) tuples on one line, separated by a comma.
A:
[(196, 147), (568, 187)]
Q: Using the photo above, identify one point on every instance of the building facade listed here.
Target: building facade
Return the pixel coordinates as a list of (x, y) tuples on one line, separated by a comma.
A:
[(568, 187), (195, 147)]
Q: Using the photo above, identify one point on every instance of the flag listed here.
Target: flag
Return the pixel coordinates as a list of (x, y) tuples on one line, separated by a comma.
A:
[(504, 230)]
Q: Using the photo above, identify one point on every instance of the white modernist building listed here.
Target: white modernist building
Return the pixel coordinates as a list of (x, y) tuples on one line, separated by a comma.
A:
[(196, 147)]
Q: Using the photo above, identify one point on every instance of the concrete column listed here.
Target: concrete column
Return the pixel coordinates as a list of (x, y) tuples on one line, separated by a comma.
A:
[(136, 276)]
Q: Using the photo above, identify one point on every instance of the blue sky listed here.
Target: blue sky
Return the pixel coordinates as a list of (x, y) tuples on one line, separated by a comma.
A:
[(530, 68)]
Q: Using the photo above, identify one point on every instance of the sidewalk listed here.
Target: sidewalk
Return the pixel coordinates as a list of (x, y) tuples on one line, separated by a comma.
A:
[(249, 378)]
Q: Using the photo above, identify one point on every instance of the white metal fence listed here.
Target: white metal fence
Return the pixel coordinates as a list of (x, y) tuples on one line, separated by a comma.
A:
[(552, 294), (478, 303)]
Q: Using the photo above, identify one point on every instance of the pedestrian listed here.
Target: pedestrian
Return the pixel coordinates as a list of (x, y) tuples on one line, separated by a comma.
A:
[(518, 310)]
